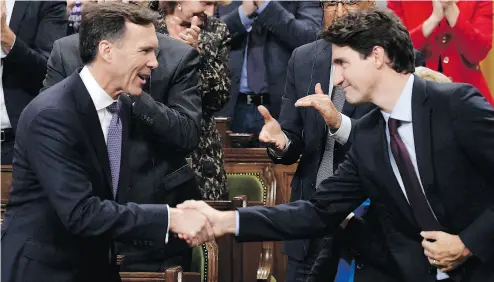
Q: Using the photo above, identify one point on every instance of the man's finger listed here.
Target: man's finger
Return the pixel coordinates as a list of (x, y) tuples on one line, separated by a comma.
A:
[(431, 235), (430, 255), (264, 113), (318, 89), (429, 246)]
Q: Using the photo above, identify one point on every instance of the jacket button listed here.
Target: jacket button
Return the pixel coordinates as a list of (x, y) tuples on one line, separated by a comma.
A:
[(359, 266), (446, 60)]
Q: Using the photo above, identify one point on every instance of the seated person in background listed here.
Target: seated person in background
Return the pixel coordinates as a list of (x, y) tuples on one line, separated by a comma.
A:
[(454, 36), (210, 37), (165, 128)]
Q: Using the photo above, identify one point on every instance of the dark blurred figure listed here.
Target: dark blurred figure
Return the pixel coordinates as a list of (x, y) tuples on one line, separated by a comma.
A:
[(264, 34), (191, 22), (28, 30)]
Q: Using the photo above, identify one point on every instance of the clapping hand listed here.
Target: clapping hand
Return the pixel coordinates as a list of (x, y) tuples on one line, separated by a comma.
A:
[(323, 104), (271, 131)]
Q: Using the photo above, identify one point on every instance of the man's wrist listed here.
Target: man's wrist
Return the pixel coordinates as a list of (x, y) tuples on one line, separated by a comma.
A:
[(175, 215), (335, 125), (228, 222), (7, 39)]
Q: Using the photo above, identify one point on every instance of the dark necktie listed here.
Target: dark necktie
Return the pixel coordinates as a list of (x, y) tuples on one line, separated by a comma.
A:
[(420, 207), (256, 69), (326, 166), (114, 144)]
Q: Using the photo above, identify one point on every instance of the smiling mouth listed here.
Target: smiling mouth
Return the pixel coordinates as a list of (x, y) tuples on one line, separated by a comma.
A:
[(143, 76)]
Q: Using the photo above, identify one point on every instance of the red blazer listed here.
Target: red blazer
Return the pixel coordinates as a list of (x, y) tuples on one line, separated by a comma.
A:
[(461, 47)]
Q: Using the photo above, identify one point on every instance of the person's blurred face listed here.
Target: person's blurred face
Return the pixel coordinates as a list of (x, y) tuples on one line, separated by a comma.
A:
[(356, 75), (132, 57), (191, 8), (338, 8)]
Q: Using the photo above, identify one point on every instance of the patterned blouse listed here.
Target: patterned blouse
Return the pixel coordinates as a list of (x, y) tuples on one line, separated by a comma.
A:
[(207, 159)]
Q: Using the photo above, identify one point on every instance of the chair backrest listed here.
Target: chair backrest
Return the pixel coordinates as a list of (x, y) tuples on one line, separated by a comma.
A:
[(254, 180)]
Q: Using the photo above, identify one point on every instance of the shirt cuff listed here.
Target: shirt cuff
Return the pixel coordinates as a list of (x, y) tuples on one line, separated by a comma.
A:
[(237, 220), (343, 133), (168, 225), (244, 19), (279, 154)]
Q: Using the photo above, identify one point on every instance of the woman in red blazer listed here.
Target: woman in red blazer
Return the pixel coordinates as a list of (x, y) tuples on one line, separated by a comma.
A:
[(454, 36)]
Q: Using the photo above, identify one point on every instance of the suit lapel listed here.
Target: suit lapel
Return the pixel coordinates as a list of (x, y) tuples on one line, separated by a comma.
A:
[(20, 8), (379, 147), (123, 182), (93, 129), (320, 73), (421, 119)]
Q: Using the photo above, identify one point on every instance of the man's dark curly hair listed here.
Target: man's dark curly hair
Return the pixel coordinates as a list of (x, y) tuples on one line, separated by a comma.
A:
[(363, 30)]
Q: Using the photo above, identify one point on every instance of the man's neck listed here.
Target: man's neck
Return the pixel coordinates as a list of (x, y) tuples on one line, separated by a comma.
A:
[(387, 93), (104, 81)]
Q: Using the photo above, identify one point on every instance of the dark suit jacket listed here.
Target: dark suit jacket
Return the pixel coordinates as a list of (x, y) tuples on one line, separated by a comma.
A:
[(453, 132), (165, 126), (310, 64), (290, 24), (61, 220), (36, 24)]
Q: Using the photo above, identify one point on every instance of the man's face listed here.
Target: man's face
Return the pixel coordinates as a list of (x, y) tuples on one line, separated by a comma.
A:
[(339, 8), (133, 57), (357, 76)]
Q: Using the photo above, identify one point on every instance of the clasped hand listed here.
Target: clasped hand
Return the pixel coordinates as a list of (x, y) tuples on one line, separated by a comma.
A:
[(196, 222)]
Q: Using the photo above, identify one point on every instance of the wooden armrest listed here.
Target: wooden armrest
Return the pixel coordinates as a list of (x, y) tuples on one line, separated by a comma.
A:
[(171, 274), (212, 262), (264, 272)]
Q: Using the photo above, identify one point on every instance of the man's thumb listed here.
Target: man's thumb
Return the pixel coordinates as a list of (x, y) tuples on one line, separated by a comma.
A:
[(264, 113), (318, 89)]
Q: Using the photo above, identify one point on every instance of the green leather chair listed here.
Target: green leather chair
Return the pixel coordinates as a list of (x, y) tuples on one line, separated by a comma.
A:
[(257, 182)]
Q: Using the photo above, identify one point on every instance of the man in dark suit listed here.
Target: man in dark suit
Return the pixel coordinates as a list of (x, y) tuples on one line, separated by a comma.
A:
[(165, 127), (264, 34), (309, 65), (29, 29), (429, 181), (70, 161)]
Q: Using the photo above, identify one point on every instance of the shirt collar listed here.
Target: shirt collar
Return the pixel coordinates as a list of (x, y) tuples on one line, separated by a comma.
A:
[(100, 98), (403, 108)]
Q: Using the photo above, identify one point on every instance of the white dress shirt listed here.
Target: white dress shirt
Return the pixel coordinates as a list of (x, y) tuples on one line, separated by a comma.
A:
[(101, 101), (402, 111), (4, 117)]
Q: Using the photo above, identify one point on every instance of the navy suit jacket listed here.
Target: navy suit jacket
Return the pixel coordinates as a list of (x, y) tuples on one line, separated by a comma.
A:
[(61, 219), (290, 24), (453, 132)]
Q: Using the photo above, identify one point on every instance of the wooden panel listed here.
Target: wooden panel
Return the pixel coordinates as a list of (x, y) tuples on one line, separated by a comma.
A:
[(6, 183), (240, 158)]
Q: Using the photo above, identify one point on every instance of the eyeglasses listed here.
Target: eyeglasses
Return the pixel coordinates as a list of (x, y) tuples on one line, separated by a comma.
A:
[(332, 4)]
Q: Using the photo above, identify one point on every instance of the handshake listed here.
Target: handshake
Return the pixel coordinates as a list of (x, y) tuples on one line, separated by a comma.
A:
[(196, 222)]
